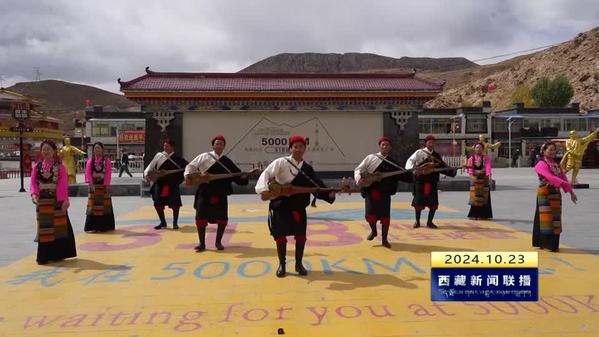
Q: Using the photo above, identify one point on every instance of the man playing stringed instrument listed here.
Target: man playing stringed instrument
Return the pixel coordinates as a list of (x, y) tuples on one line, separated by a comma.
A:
[(287, 214), (427, 164), (210, 201), (377, 195), (166, 171)]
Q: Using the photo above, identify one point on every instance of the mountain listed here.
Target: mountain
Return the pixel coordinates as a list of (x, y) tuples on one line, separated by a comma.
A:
[(576, 59), (61, 99), (351, 62), (59, 95)]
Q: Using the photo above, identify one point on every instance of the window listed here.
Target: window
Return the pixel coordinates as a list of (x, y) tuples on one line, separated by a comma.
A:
[(550, 123), (441, 125), (127, 127), (576, 124), (424, 125), (500, 125), (476, 125), (531, 123), (100, 130)]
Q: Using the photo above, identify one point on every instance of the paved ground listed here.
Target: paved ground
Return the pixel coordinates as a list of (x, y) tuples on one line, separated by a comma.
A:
[(137, 282), (513, 206)]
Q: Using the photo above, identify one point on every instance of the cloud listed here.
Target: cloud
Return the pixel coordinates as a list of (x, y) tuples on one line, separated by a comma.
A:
[(96, 43)]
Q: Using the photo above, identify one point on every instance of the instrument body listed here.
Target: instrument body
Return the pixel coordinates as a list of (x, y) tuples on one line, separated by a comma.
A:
[(154, 175), (204, 178), (277, 190), (433, 167), (367, 178)]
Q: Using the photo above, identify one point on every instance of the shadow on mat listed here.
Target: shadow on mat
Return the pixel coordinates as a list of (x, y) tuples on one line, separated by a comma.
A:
[(419, 248), (347, 281), (79, 265)]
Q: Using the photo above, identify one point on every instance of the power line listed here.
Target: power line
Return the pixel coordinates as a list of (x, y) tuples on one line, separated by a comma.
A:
[(516, 52)]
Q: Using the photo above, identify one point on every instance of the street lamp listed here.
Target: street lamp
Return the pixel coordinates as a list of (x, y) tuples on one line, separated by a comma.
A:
[(510, 120), (20, 112)]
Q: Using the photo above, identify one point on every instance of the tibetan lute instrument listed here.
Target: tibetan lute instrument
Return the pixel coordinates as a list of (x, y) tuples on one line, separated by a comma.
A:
[(367, 178), (154, 175), (285, 190), (199, 178)]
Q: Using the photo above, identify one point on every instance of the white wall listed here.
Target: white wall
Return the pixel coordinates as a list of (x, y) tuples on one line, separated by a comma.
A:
[(338, 140)]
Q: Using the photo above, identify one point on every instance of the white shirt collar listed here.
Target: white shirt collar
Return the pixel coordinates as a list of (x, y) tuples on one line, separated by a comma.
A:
[(427, 151), (294, 161)]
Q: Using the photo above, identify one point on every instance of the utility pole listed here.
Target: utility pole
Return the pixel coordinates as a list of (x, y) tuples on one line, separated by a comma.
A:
[(37, 73)]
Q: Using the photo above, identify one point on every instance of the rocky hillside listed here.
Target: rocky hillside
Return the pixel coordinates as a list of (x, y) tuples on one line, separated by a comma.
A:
[(577, 59), (351, 62)]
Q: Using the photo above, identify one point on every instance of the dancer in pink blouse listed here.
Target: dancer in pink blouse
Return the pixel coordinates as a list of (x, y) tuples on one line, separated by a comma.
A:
[(49, 192), (479, 168), (548, 214), (98, 171)]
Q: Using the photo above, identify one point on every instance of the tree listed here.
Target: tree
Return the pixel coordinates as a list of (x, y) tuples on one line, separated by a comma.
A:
[(552, 93), (522, 94), (563, 89)]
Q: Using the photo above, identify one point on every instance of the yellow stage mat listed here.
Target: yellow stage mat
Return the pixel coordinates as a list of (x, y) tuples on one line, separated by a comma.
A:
[(139, 282)]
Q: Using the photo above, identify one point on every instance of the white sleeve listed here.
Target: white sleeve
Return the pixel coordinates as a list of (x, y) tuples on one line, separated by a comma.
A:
[(152, 165), (193, 166), (411, 163), (363, 166), (269, 173)]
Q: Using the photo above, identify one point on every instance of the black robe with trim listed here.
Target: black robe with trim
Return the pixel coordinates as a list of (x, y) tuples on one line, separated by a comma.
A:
[(165, 191), (211, 202), (425, 186), (377, 197), (287, 215)]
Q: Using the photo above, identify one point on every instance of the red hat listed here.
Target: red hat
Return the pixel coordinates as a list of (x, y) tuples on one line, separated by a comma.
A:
[(219, 137), (295, 139), (384, 139), (430, 137), (169, 142)]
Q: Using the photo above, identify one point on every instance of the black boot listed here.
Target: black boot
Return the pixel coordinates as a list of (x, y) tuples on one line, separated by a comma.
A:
[(385, 231), (219, 236), (202, 236), (373, 232), (417, 223), (281, 252), (162, 224), (176, 218), (431, 215), (299, 255)]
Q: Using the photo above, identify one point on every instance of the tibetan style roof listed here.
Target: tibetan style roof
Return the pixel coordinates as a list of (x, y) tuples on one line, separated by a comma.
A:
[(279, 82)]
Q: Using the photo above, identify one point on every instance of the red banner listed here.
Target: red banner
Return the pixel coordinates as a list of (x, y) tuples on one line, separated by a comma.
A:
[(131, 137)]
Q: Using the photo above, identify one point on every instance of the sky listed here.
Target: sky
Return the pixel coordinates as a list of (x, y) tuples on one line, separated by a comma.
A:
[(96, 42)]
